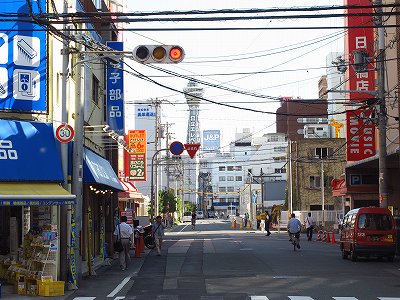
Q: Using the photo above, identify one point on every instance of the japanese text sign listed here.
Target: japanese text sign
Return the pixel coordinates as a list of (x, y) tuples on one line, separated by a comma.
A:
[(137, 167), (137, 141)]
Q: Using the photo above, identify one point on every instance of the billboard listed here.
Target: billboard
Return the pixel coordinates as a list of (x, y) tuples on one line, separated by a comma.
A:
[(137, 142), (23, 59), (360, 135), (211, 140), (115, 92)]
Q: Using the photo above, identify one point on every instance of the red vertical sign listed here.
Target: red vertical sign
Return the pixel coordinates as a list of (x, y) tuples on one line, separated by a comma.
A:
[(360, 129)]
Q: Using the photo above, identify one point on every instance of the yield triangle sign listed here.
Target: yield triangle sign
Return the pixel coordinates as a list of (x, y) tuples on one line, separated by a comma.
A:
[(192, 149)]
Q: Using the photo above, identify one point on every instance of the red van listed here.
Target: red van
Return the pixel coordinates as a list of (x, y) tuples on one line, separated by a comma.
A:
[(368, 231)]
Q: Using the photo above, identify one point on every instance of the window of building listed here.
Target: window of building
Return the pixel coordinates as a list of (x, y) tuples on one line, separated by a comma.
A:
[(322, 152), (231, 168), (280, 170), (221, 189), (222, 168), (95, 89), (230, 189), (239, 178), (279, 149), (231, 178), (238, 168), (222, 178), (315, 182)]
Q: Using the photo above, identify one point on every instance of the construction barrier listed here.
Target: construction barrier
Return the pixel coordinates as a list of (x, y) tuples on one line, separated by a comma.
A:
[(138, 248)]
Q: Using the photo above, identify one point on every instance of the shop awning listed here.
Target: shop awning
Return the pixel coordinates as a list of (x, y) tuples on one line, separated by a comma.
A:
[(98, 170), (130, 191), (28, 152), (27, 194)]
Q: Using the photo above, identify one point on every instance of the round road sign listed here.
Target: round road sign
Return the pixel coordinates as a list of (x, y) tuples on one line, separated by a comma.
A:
[(176, 148), (64, 133)]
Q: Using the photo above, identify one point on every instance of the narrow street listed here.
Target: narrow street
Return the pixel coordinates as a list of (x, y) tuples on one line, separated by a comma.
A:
[(216, 262)]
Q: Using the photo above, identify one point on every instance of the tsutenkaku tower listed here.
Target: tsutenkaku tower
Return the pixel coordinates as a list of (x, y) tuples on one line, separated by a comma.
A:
[(193, 95)]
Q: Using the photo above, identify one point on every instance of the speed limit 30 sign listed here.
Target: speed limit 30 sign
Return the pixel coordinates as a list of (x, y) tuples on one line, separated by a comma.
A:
[(64, 133)]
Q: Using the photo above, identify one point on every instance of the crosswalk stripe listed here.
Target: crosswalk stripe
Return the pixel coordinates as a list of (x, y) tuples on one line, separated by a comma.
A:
[(300, 298), (388, 298), (344, 298), (84, 298), (258, 298)]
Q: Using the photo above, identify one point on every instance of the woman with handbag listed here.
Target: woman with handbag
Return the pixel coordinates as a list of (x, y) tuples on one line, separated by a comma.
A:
[(123, 239)]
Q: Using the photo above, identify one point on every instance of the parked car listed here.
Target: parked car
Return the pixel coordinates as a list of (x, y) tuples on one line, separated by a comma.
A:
[(187, 217), (199, 215), (211, 214), (368, 231)]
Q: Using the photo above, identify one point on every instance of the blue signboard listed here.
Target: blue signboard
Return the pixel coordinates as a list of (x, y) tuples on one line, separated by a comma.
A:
[(211, 140), (115, 92), (28, 152), (23, 58)]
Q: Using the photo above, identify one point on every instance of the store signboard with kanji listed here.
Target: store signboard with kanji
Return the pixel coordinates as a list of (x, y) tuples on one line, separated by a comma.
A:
[(129, 216), (137, 141), (360, 138), (137, 167)]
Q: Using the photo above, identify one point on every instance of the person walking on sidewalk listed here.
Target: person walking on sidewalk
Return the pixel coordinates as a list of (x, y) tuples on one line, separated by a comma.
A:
[(267, 222), (124, 232), (309, 226), (158, 233)]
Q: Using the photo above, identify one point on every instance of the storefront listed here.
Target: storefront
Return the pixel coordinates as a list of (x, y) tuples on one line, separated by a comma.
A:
[(30, 195), (131, 199), (100, 200)]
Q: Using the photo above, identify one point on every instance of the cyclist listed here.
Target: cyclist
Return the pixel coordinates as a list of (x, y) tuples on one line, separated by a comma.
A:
[(294, 226), (193, 220)]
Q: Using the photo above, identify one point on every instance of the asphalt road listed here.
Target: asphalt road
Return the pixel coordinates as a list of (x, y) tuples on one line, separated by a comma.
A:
[(215, 262)]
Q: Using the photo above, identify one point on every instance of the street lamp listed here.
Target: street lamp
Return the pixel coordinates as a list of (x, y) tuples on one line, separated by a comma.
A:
[(152, 198)]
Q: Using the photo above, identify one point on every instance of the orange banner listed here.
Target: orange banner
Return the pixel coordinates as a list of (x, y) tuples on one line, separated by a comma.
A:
[(137, 141)]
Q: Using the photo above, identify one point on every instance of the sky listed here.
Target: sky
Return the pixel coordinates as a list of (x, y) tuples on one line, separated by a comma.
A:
[(269, 62)]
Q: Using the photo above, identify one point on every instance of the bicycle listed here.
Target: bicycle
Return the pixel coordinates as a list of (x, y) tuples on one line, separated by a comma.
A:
[(295, 237)]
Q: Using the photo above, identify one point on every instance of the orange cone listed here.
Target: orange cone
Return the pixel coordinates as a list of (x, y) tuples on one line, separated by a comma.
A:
[(328, 240), (141, 243), (137, 249), (333, 238)]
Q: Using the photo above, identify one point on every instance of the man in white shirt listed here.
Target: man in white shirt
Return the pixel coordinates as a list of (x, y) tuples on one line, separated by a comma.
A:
[(124, 232), (309, 226)]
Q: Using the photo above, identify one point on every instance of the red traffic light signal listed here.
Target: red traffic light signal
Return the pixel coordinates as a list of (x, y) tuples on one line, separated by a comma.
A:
[(158, 54)]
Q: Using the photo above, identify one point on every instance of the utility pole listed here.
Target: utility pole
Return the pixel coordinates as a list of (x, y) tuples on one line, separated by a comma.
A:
[(323, 190), (262, 190), (156, 104), (382, 121)]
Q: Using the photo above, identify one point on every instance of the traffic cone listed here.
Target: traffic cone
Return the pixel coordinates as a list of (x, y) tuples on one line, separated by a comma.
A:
[(234, 223), (137, 249), (141, 243), (328, 240), (333, 238)]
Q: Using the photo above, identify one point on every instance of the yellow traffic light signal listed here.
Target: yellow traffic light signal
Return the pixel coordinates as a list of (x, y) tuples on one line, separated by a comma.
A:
[(158, 54)]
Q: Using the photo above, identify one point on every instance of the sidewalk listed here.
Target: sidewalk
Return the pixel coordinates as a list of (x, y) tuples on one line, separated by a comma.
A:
[(107, 278)]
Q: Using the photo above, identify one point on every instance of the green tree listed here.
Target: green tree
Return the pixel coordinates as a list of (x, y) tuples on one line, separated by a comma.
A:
[(189, 206), (167, 201)]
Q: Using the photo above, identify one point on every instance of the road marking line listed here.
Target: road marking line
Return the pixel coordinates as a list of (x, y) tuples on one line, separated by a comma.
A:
[(119, 287), (258, 298), (300, 298), (119, 298), (388, 298), (344, 298), (183, 228)]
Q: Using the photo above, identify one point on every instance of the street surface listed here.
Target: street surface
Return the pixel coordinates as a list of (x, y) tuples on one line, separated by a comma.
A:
[(215, 262)]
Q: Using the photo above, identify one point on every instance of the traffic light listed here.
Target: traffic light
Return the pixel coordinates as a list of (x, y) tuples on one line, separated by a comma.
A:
[(158, 54)]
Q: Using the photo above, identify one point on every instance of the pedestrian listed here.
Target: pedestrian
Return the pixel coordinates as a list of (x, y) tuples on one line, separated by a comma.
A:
[(124, 233), (267, 222), (193, 220), (246, 219), (309, 226), (158, 233)]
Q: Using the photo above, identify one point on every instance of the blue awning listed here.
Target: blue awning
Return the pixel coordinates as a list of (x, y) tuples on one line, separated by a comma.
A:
[(28, 152), (98, 170)]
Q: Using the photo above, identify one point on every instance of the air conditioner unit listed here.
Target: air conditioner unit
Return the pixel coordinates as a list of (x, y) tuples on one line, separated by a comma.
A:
[(316, 131)]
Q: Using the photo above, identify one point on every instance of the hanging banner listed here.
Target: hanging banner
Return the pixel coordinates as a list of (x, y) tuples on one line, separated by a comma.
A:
[(360, 130), (72, 257), (137, 167), (137, 141), (115, 92)]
